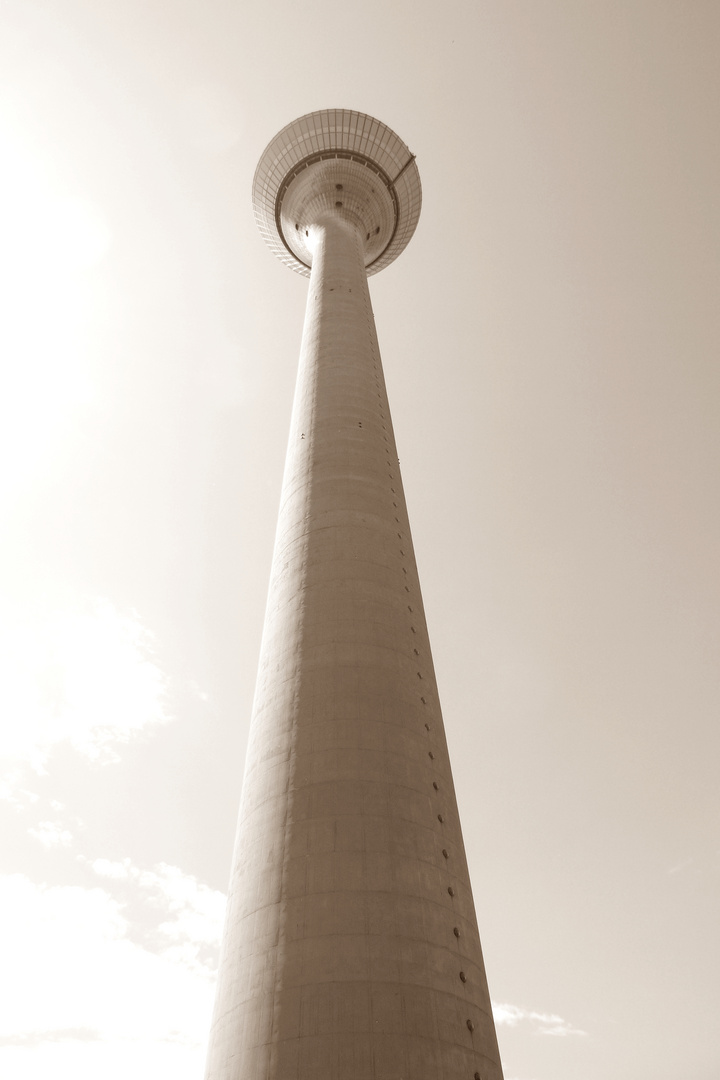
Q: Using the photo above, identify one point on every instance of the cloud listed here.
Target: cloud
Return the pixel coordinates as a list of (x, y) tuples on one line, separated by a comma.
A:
[(38, 1038), (80, 998), (87, 1059), (544, 1023), (11, 792), (118, 870), (188, 915), (86, 677), (51, 834)]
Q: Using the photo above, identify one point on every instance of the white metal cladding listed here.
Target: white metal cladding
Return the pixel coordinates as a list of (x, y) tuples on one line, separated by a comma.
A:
[(345, 134)]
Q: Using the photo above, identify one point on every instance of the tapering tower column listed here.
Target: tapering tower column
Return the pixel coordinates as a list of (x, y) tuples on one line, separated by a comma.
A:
[(351, 949)]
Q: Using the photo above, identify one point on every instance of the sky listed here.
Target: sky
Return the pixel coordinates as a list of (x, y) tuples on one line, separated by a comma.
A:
[(550, 341)]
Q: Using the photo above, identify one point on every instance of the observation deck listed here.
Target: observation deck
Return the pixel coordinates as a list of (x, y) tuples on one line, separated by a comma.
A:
[(345, 163)]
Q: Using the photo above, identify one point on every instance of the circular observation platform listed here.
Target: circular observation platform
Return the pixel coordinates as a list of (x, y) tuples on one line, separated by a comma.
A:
[(346, 163)]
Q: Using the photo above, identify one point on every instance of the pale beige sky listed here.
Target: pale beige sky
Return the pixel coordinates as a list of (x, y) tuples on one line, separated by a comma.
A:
[(550, 340)]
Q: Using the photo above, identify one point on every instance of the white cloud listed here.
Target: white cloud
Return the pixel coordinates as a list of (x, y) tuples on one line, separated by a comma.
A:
[(12, 792), (82, 676), (190, 915), (118, 870), (196, 912), (544, 1023), (198, 691), (51, 834), (86, 1059), (79, 998), (69, 965)]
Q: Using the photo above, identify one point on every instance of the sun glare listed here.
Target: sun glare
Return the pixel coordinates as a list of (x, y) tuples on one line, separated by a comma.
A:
[(86, 677), (50, 243)]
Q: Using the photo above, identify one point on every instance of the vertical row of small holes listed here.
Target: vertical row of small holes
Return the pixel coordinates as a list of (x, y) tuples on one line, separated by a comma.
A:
[(446, 857), (390, 463), (391, 459)]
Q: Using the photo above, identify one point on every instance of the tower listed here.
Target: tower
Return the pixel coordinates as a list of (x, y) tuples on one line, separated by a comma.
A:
[(351, 949)]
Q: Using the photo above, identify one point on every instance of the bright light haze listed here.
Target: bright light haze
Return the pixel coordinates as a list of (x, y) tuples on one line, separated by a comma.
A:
[(550, 339)]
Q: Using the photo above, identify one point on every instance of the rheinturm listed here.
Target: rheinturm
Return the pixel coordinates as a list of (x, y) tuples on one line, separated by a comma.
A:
[(351, 948)]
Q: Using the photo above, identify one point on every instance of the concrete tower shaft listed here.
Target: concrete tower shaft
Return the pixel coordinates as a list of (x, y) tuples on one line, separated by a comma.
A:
[(351, 949)]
